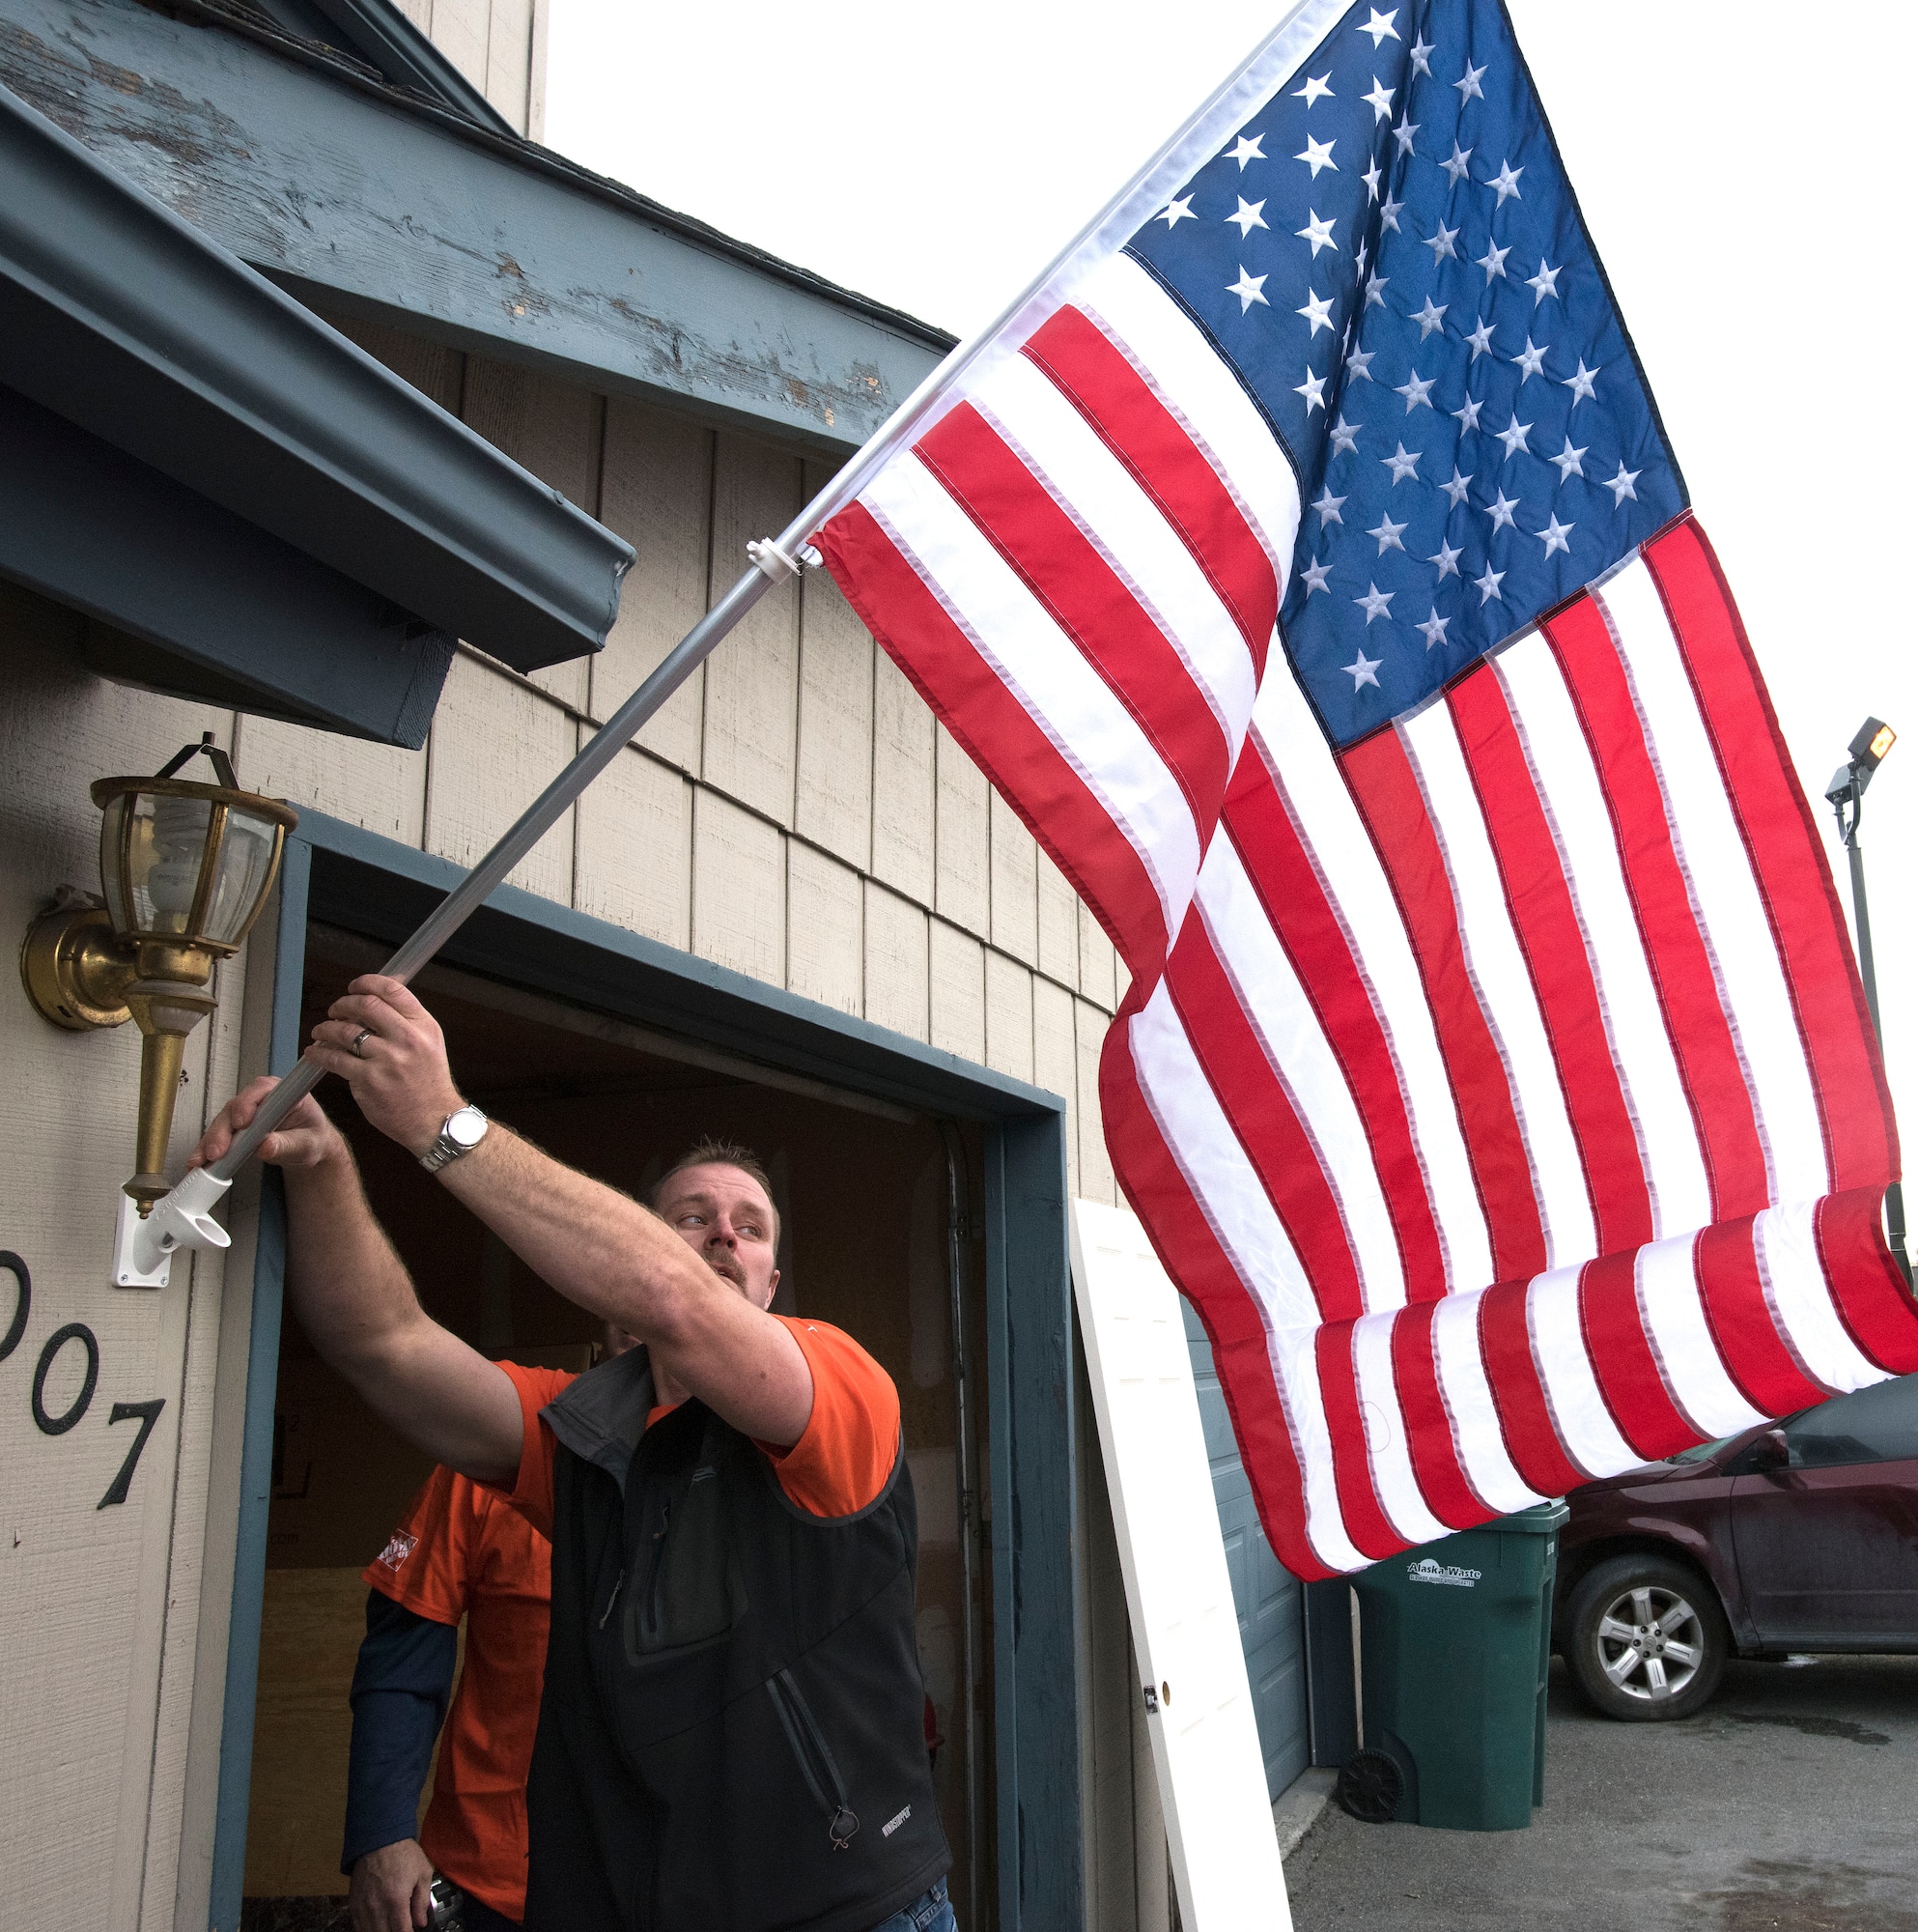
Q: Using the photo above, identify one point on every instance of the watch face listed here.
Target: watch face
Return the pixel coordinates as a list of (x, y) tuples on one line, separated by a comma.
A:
[(467, 1126)]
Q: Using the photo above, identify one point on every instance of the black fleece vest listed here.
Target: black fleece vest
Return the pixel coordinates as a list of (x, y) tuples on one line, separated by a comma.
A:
[(731, 1737)]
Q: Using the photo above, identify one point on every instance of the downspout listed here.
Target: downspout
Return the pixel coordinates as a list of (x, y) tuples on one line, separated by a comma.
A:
[(955, 1231)]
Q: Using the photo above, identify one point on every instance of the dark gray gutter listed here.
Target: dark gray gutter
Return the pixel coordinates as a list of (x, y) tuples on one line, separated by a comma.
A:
[(376, 201), (121, 317)]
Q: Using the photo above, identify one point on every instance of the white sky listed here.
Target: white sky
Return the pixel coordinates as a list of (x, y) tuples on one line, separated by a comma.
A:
[(1740, 196)]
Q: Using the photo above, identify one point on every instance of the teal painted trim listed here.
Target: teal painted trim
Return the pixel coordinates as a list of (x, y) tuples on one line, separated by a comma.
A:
[(1035, 1529), (256, 1458), (357, 879)]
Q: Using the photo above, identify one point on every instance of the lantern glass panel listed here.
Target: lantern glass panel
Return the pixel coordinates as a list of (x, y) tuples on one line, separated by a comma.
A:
[(112, 872), (246, 865), (163, 858)]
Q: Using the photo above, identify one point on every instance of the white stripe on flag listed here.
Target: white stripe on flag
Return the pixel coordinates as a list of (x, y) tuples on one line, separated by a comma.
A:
[(1579, 1410), (1724, 892), (1476, 1432), (1302, 1059), (1502, 982), (1675, 1320), (1185, 371), (1794, 1283), (1391, 1453), (1574, 800), (1295, 1368), (1287, 737), (1102, 497), (1068, 699)]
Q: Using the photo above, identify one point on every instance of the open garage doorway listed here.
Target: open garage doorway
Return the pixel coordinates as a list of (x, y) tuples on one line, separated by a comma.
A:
[(864, 1189)]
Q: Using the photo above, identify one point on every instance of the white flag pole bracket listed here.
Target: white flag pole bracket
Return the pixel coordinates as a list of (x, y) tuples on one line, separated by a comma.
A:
[(143, 1249)]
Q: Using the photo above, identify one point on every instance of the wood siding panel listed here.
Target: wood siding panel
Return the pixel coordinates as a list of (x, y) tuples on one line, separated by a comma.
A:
[(825, 932), (496, 745), (1008, 1016), (1015, 883), (509, 59), (460, 32), (739, 889), (752, 678), (958, 992), (1095, 1166), (379, 786), (833, 804), (1055, 1062), (903, 785), (1059, 923), (963, 889), (552, 429), (897, 987), (437, 372), (1096, 960), (655, 490), (636, 849)]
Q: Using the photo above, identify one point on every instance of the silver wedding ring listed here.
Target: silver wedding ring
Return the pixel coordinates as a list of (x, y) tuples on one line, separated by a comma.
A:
[(359, 1047)]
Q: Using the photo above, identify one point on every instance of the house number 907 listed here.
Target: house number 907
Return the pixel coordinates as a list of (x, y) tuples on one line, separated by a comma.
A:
[(73, 1335)]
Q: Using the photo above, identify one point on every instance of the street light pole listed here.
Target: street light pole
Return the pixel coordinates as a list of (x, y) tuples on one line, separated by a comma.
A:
[(1846, 796)]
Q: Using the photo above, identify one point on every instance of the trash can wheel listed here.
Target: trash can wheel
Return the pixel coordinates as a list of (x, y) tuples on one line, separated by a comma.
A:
[(1371, 1785)]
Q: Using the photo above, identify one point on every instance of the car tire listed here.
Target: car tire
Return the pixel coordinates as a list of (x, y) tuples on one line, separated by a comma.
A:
[(1646, 1639)]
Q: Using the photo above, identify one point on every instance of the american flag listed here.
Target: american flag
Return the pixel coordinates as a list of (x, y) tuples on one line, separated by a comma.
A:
[(1306, 563)]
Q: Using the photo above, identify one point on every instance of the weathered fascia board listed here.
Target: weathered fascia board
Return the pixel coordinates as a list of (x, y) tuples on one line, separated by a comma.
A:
[(133, 576), (322, 178), (140, 329)]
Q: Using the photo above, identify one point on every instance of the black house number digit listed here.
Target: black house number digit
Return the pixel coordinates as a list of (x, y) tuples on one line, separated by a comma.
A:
[(145, 1413)]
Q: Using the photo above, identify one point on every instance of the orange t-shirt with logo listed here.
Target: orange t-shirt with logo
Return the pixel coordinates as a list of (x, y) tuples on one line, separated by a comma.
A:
[(838, 1466), (461, 1549)]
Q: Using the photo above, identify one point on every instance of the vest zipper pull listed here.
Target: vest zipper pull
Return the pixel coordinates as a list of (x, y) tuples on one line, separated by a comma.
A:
[(618, 1584)]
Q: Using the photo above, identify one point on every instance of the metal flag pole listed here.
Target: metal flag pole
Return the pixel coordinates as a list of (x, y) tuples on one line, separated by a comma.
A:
[(184, 1217)]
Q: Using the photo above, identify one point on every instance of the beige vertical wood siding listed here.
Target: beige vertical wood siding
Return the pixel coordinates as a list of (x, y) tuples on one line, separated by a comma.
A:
[(499, 45)]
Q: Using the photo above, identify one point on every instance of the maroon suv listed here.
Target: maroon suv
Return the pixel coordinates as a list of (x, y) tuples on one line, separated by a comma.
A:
[(1798, 1538)]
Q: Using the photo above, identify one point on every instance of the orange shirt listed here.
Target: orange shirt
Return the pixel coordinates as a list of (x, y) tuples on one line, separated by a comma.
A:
[(838, 1466), (463, 1551)]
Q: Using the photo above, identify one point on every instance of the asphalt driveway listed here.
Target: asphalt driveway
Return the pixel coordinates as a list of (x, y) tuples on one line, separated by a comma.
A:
[(1788, 1805)]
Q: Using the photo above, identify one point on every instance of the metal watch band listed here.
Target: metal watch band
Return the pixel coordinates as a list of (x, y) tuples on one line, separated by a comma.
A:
[(447, 1148)]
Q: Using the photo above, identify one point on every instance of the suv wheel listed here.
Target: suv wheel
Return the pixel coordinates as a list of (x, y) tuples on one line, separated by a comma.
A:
[(1648, 1639)]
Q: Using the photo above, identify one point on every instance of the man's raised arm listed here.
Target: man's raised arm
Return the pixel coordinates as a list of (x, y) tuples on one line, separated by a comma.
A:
[(356, 1301)]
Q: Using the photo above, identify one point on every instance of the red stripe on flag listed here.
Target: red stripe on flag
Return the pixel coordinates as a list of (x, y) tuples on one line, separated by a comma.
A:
[(1539, 902), (1275, 1140), (1504, 1346), (1233, 1323), (1139, 429), (1393, 808), (1086, 598), (1788, 859), (1622, 1360), (1442, 1479), (1365, 1521), (1865, 1285), (1695, 1019), (1763, 1369), (1295, 897), (998, 733)]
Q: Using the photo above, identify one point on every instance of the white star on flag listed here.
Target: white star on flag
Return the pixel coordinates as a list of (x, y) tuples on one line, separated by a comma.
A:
[(1318, 155), (1248, 217), (1247, 288), (1554, 535), (1364, 671), (1380, 26), (1376, 603)]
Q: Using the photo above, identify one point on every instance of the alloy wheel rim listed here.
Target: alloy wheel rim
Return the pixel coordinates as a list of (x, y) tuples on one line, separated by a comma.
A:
[(1651, 1643)]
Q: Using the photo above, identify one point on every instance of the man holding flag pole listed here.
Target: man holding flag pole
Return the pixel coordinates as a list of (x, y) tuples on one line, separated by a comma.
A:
[(1302, 557)]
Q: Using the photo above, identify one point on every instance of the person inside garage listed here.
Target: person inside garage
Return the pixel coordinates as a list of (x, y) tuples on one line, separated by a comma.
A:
[(731, 1731), (460, 1551)]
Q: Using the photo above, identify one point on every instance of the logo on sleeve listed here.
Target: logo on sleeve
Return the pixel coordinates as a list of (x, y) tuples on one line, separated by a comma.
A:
[(400, 1546)]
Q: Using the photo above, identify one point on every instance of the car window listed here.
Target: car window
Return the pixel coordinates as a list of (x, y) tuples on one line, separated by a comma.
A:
[(1878, 1424)]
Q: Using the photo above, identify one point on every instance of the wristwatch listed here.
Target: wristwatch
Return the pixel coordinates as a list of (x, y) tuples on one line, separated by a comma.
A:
[(460, 1133)]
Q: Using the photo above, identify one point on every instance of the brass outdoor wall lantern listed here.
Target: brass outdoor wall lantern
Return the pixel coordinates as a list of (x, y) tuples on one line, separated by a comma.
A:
[(185, 869)]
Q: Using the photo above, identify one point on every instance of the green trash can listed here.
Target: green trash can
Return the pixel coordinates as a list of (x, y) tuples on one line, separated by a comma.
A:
[(1456, 1640)]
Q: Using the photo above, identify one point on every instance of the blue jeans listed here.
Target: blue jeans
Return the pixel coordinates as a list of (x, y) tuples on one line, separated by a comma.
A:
[(930, 1912)]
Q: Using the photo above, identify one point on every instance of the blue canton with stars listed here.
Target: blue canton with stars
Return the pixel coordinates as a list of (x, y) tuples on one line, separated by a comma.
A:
[(1391, 257)]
